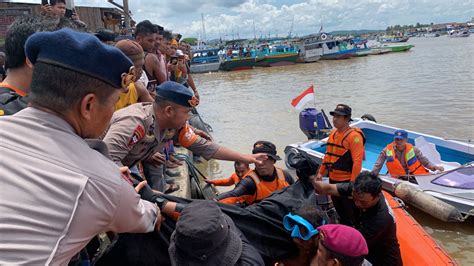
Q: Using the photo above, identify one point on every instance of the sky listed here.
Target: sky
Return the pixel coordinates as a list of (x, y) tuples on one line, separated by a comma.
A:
[(230, 19)]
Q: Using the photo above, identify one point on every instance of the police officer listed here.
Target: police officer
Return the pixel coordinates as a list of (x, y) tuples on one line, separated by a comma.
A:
[(343, 159), (140, 131), (57, 192)]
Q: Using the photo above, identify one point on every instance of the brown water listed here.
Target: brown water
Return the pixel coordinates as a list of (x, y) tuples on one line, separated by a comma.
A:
[(428, 89)]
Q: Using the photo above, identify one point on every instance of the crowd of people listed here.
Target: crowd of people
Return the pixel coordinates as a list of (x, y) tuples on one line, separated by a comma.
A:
[(89, 122)]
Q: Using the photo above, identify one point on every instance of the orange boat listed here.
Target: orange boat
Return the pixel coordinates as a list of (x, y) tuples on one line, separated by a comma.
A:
[(416, 245)]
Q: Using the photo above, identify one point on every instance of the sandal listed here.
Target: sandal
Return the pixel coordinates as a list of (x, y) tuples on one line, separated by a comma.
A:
[(172, 188)]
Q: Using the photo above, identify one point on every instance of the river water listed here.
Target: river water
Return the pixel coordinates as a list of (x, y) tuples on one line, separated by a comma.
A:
[(428, 89)]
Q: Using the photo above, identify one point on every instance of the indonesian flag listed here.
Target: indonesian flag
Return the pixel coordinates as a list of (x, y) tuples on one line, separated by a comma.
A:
[(305, 97)]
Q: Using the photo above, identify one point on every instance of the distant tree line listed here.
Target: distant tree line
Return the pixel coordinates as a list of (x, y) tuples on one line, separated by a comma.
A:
[(404, 28)]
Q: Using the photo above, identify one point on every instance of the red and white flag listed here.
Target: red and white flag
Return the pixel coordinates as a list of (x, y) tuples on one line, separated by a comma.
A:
[(305, 97)]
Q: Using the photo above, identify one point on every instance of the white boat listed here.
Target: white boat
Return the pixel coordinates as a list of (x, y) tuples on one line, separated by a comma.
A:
[(205, 60), (456, 191), (458, 33)]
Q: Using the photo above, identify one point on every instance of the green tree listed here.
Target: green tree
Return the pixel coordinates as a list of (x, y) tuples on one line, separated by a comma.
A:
[(190, 40)]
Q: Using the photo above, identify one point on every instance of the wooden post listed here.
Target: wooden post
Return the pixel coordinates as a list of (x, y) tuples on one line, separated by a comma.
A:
[(127, 14)]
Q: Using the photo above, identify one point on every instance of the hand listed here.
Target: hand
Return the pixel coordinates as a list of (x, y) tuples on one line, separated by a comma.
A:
[(140, 186), (439, 168), (255, 158), (202, 134), (159, 218), (196, 93), (158, 159), (46, 9), (74, 15)]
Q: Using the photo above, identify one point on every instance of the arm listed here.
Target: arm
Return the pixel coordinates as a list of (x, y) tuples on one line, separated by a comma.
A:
[(143, 94), (133, 214), (192, 85), (223, 182), (379, 163), (246, 187), (121, 137), (425, 162), (152, 66), (323, 188), (356, 147)]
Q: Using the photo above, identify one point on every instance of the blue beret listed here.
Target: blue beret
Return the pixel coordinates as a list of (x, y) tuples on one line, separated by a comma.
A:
[(177, 93), (80, 52)]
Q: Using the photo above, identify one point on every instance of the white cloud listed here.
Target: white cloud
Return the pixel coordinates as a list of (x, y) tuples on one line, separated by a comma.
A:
[(273, 16)]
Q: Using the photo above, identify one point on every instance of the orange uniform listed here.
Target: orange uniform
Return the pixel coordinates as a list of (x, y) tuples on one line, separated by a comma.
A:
[(232, 180), (344, 155)]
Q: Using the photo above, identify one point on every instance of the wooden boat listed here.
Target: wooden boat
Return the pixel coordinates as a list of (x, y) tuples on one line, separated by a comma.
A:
[(238, 63), (399, 47), (393, 39), (279, 55), (205, 60), (335, 50)]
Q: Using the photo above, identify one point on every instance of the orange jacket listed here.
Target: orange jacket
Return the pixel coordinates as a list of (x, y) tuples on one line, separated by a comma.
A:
[(395, 167), (232, 180), (344, 155), (263, 189)]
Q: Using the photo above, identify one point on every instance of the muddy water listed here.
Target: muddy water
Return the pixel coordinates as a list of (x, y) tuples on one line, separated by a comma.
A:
[(428, 89)]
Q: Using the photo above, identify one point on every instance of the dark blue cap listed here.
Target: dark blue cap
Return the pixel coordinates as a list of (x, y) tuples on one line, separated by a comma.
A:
[(80, 52), (176, 93), (400, 134)]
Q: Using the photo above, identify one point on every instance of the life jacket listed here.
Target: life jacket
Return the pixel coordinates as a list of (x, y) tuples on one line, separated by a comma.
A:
[(265, 188), (12, 100), (338, 157), (395, 167)]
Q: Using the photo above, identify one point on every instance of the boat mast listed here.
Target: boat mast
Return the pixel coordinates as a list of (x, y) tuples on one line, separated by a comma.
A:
[(291, 28), (254, 36), (203, 39)]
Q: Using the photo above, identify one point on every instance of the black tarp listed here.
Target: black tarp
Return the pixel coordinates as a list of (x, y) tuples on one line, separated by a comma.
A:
[(261, 223)]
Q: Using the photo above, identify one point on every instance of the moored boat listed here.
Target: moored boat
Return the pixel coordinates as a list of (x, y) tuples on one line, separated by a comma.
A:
[(448, 153), (393, 39), (279, 55), (458, 33), (399, 47), (205, 60), (311, 49), (238, 63)]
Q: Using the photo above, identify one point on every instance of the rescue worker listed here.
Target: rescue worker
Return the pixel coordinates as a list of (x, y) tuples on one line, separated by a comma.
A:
[(343, 158), (136, 91), (260, 183), (59, 190), (402, 158), (206, 236), (374, 219), (139, 132), (241, 170)]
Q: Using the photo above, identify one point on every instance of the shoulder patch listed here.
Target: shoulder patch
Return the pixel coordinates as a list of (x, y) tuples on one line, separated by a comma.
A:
[(137, 135), (356, 140)]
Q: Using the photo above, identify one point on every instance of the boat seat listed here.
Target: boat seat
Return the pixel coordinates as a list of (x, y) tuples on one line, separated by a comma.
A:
[(429, 151)]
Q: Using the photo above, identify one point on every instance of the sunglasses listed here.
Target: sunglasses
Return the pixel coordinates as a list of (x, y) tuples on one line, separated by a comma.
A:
[(299, 227)]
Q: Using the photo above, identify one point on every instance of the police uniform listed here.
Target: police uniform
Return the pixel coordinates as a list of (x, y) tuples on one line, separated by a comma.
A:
[(134, 133), (56, 192)]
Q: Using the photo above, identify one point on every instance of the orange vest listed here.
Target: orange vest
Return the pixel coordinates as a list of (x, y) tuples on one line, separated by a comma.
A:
[(394, 166), (265, 188), (338, 158)]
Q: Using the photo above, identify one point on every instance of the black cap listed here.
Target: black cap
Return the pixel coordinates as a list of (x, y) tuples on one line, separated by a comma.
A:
[(266, 147), (204, 236), (342, 109)]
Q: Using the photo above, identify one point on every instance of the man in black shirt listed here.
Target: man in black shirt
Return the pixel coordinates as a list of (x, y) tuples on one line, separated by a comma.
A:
[(375, 219)]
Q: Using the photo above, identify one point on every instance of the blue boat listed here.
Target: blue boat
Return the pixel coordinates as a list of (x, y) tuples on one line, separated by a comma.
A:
[(455, 186), (205, 60), (337, 49)]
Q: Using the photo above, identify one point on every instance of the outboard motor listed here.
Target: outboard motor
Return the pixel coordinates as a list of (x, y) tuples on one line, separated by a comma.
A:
[(314, 124)]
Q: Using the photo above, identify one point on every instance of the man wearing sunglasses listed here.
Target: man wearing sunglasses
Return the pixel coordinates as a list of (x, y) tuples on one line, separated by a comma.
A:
[(374, 219), (260, 183)]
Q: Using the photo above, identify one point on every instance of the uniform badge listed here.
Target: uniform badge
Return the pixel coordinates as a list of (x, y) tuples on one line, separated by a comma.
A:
[(128, 78), (137, 135), (194, 101)]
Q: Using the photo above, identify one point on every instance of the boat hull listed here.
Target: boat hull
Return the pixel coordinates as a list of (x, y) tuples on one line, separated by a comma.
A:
[(417, 247), (205, 68), (339, 55), (277, 60), (399, 48), (238, 64)]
